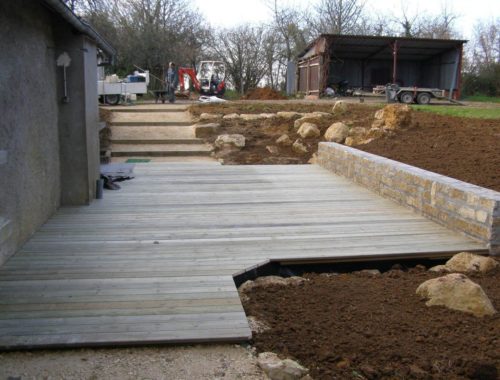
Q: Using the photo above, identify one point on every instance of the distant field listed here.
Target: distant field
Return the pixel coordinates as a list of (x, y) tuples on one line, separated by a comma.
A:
[(482, 98), (462, 111)]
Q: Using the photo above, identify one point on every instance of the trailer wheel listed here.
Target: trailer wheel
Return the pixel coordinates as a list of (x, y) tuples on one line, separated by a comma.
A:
[(424, 98), (406, 97), (112, 99)]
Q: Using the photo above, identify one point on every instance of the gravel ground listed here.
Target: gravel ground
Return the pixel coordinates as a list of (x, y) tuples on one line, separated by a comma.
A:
[(140, 363)]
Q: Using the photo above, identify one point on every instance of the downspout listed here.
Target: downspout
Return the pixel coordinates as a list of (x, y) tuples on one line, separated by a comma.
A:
[(459, 85), (394, 61), (455, 75)]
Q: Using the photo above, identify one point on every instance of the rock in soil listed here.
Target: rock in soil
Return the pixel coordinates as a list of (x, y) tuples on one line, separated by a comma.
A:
[(455, 291), (273, 149), (346, 326), (299, 147), (308, 130), (339, 107), (206, 130), (469, 262), (278, 369), (284, 140), (397, 116), (210, 116), (237, 141), (337, 132), (288, 114)]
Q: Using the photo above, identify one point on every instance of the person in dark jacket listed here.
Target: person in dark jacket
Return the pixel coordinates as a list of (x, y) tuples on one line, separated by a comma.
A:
[(171, 81)]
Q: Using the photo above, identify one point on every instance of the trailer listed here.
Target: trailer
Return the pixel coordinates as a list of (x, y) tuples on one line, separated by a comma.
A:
[(409, 95), (113, 89)]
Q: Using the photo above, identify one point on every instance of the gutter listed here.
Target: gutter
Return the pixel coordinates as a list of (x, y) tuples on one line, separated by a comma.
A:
[(80, 25)]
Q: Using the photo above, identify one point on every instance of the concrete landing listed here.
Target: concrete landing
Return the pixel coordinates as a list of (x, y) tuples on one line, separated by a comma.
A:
[(154, 262)]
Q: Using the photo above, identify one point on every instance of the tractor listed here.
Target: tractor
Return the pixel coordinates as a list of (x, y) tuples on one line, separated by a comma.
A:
[(209, 80)]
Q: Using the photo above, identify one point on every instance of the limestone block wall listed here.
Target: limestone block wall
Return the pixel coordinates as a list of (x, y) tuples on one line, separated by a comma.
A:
[(460, 206)]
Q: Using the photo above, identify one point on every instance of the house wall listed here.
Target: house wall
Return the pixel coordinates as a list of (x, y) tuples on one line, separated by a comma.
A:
[(78, 118), (30, 178), (49, 152)]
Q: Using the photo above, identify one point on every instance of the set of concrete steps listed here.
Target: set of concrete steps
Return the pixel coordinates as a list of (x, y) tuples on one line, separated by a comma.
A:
[(155, 131)]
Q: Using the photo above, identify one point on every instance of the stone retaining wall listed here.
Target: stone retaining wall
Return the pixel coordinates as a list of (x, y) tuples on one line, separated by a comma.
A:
[(460, 206)]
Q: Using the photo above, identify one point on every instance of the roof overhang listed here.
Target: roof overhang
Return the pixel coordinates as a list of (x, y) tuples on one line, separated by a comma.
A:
[(377, 47), (80, 25)]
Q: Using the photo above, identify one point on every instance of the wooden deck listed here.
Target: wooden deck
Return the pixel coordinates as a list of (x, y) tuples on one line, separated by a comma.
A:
[(153, 263)]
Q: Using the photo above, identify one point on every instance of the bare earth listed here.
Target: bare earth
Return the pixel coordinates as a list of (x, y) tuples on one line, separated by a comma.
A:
[(201, 362)]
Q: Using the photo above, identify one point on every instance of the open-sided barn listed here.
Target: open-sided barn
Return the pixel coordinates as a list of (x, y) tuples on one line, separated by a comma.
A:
[(368, 61)]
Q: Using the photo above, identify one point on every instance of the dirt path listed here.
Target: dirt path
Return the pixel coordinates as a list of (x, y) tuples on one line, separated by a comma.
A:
[(208, 362)]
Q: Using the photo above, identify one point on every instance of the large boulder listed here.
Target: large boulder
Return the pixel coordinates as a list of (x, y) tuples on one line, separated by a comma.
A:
[(397, 116), (299, 147), (278, 369), (339, 107), (284, 140), (230, 141), (469, 262), (455, 291), (337, 132), (308, 130), (206, 130)]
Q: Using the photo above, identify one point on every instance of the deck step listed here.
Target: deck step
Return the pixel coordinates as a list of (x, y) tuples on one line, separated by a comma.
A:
[(151, 133), (157, 141), (142, 118), (160, 150), (147, 108)]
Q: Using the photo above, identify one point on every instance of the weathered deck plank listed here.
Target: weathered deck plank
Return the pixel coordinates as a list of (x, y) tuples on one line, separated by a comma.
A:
[(153, 263)]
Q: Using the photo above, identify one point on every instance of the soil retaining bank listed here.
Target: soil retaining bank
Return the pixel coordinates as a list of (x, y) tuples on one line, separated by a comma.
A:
[(457, 205)]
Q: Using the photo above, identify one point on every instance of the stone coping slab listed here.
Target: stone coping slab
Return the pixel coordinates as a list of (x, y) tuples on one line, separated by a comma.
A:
[(458, 205)]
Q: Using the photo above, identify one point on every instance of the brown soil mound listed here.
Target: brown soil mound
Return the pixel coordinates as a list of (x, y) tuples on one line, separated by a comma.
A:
[(352, 326), (265, 93), (465, 149)]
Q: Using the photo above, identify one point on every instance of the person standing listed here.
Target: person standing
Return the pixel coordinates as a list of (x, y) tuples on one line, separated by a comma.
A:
[(171, 81)]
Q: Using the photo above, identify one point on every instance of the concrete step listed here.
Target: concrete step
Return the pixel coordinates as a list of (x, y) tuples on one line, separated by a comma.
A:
[(174, 159), (142, 118), (119, 133), (160, 150), (160, 108), (157, 141)]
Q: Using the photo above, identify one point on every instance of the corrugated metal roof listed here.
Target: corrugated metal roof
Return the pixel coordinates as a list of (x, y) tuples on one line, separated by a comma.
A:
[(379, 47)]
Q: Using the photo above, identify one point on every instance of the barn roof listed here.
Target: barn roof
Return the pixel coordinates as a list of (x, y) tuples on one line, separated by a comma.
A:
[(379, 47)]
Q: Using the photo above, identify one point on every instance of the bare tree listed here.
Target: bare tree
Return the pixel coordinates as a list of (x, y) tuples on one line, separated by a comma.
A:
[(243, 51), (418, 24), (337, 16), (289, 36)]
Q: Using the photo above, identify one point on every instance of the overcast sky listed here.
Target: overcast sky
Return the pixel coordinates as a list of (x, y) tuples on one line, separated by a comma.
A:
[(227, 13)]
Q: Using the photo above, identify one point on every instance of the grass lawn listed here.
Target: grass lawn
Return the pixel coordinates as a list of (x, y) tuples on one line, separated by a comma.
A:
[(483, 98), (461, 111)]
